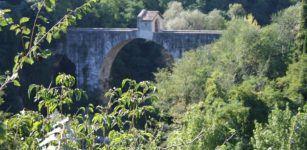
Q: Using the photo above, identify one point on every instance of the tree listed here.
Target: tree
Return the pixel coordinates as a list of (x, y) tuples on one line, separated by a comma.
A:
[(184, 84), (176, 18), (212, 123), (22, 130), (302, 37), (215, 20), (284, 130), (236, 10), (248, 58), (294, 83)]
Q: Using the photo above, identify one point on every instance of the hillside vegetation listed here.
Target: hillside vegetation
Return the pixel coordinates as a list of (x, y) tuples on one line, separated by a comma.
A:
[(247, 90)]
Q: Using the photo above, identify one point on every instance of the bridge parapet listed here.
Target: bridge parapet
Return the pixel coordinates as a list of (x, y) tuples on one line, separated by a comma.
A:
[(219, 32), (102, 29), (176, 42)]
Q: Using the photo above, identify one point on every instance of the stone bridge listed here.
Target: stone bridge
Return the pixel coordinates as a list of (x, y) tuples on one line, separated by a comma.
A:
[(93, 50)]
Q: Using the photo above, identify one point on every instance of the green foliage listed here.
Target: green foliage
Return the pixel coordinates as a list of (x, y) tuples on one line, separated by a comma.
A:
[(176, 18), (272, 96), (54, 98), (134, 139), (23, 130), (221, 121), (130, 103), (113, 13), (130, 109), (236, 10), (4, 19), (81, 130), (215, 20), (294, 83), (216, 97), (32, 38), (287, 21), (2, 128), (31, 130), (243, 50), (302, 37), (262, 10), (133, 102), (284, 130), (185, 83), (1, 97), (243, 71)]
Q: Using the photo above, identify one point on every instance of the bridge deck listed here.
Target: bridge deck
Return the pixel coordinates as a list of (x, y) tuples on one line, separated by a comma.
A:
[(103, 29), (136, 29), (194, 31)]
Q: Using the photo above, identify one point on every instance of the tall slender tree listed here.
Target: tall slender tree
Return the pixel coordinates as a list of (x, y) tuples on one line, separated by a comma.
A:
[(302, 35), (302, 49)]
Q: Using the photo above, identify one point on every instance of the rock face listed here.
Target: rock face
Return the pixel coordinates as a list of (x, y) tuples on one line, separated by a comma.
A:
[(93, 50)]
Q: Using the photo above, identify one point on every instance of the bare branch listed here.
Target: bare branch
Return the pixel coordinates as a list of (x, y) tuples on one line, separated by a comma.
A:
[(229, 138), (34, 24)]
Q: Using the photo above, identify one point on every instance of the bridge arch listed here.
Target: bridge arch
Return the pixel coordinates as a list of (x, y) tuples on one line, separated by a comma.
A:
[(93, 50), (161, 58)]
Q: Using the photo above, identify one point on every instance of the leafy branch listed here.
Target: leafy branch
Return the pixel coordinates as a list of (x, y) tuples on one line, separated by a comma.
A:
[(56, 97), (34, 50)]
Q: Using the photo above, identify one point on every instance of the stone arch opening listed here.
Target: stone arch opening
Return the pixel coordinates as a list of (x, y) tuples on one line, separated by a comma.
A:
[(135, 59), (62, 64)]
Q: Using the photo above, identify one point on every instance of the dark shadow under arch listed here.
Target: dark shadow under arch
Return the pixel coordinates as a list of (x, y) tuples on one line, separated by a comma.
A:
[(62, 64), (136, 59), (40, 73)]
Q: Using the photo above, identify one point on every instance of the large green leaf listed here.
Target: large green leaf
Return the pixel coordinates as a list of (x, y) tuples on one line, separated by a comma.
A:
[(24, 20)]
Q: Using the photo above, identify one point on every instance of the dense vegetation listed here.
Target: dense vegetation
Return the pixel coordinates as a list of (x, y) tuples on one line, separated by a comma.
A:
[(247, 90)]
